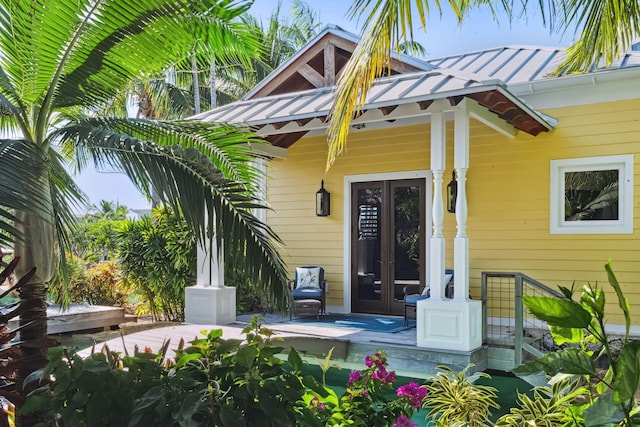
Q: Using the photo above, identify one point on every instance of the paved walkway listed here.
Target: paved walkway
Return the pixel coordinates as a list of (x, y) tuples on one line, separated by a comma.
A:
[(311, 340)]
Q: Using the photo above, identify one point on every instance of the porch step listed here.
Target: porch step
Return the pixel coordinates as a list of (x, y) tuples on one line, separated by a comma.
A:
[(417, 361)]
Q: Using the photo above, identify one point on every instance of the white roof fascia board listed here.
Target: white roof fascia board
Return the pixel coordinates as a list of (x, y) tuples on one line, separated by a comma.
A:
[(332, 29), (603, 86)]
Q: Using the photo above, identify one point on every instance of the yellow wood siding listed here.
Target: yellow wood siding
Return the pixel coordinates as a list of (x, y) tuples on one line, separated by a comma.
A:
[(508, 199)]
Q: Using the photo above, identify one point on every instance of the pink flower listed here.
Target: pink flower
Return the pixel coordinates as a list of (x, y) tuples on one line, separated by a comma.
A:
[(354, 376), (317, 405), (403, 421), (414, 392)]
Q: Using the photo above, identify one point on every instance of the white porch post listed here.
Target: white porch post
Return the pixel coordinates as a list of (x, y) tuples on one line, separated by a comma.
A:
[(437, 245), (209, 302), (452, 324)]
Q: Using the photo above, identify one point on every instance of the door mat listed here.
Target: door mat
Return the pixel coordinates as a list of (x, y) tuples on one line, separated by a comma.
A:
[(354, 321)]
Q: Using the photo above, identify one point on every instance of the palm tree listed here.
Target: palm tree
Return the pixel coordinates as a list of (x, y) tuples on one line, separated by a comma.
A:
[(608, 28), (61, 61)]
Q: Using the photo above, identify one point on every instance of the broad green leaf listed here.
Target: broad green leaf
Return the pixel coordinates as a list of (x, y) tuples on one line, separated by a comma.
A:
[(214, 334), (568, 361), (186, 358), (33, 404), (622, 301), (294, 360), (566, 335), (314, 385), (245, 356), (231, 418), (627, 378), (593, 300), (603, 411), (190, 405), (558, 312), (229, 345)]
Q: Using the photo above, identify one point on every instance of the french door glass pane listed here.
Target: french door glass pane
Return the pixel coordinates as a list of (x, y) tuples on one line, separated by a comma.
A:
[(406, 238), (369, 202)]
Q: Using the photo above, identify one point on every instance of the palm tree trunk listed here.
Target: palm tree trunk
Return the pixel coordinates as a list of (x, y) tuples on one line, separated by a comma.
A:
[(196, 85), (37, 249), (214, 94)]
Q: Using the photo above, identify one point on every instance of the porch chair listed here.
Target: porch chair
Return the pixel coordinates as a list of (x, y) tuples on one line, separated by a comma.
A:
[(411, 296), (308, 291)]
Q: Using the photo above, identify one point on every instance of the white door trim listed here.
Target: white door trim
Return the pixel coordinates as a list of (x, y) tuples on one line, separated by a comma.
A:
[(346, 232)]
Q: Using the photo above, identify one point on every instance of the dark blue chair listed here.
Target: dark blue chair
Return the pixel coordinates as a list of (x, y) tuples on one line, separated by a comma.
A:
[(309, 284), (411, 297)]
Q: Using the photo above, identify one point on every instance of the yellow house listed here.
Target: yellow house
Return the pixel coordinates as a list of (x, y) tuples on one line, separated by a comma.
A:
[(543, 168)]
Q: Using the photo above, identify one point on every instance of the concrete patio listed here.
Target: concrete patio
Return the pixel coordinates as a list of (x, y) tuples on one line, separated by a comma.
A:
[(350, 345)]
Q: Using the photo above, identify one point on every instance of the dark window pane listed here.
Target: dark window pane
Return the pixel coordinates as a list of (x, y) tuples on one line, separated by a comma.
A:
[(591, 195)]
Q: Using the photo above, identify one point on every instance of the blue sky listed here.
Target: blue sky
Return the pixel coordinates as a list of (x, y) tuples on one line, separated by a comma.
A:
[(443, 37)]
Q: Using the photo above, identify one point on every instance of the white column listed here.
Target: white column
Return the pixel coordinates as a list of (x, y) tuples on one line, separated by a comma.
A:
[(437, 244), (461, 241), (454, 324), (209, 302)]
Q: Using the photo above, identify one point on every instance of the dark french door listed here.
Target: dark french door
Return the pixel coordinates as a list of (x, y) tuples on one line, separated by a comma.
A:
[(387, 243)]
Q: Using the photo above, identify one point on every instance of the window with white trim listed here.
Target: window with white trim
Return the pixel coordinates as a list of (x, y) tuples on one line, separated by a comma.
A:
[(592, 195)]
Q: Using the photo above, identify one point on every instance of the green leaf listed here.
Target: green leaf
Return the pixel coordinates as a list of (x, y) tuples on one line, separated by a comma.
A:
[(603, 411), (186, 358), (558, 312), (315, 386), (245, 356), (214, 334), (622, 301), (566, 335), (231, 418), (627, 378), (295, 360), (34, 404), (569, 361)]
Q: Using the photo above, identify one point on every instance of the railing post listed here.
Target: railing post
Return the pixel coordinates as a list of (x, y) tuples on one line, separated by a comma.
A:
[(483, 298), (519, 320)]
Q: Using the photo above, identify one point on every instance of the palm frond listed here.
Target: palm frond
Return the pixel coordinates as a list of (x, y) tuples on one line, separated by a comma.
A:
[(205, 178), (609, 28), (19, 185), (387, 24)]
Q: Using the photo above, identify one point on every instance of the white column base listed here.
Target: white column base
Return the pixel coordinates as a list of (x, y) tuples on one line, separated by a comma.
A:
[(210, 305), (449, 325)]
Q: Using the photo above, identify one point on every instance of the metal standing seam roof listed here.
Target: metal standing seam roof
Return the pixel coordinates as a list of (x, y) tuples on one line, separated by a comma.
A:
[(520, 64), (396, 90)]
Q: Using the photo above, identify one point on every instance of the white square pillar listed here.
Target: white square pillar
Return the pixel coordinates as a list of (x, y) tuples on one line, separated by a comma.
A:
[(209, 305), (449, 325)]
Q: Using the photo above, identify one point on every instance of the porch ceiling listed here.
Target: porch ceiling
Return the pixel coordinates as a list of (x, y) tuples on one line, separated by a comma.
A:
[(284, 119)]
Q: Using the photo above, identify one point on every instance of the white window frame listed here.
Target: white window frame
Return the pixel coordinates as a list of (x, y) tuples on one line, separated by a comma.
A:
[(624, 223)]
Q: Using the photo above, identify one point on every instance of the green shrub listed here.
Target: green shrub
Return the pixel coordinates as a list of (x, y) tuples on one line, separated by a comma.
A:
[(213, 382), (157, 255), (609, 395)]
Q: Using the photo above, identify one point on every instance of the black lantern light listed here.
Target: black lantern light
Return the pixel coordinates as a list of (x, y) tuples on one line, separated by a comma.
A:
[(452, 193), (323, 201)]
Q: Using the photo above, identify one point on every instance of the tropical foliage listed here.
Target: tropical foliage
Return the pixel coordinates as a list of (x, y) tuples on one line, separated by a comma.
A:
[(214, 382), (157, 256), (611, 392), (454, 400), (64, 59)]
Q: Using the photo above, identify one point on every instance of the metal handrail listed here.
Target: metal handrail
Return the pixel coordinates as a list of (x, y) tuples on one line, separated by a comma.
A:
[(519, 280)]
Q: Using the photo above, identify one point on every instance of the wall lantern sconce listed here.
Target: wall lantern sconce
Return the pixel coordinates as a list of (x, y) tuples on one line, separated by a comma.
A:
[(323, 201), (452, 193)]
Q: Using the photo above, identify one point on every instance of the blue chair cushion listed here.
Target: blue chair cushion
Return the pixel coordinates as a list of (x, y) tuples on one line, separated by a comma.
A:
[(413, 299), (304, 293)]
